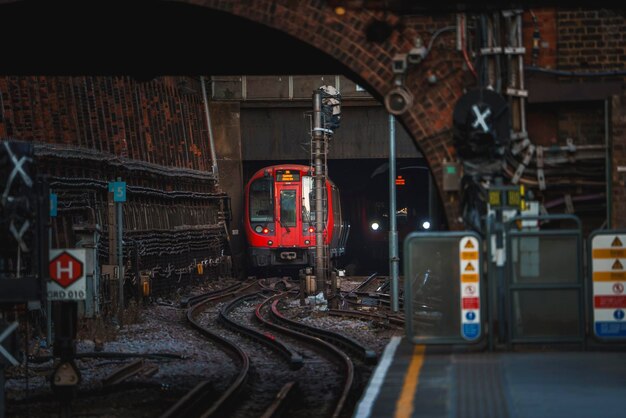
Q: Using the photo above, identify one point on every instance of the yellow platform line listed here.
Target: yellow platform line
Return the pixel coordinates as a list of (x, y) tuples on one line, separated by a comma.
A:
[(404, 405)]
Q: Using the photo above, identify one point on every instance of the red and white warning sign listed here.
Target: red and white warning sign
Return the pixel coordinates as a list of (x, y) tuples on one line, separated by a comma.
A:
[(469, 261), (67, 275), (608, 262)]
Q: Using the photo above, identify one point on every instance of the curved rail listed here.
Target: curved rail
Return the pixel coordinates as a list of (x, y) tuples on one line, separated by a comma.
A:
[(294, 359), (368, 355), (349, 366), (194, 402)]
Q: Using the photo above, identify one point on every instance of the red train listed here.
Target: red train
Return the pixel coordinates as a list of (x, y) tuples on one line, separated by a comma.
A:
[(279, 217)]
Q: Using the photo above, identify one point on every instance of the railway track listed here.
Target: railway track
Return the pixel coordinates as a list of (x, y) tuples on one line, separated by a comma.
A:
[(264, 381), (246, 350)]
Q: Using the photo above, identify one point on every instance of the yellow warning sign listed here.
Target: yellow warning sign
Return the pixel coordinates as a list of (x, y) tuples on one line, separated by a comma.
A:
[(469, 244), (609, 253), (616, 242), (469, 277), (617, 265), (469, 255), (469, 267), (609, 276)]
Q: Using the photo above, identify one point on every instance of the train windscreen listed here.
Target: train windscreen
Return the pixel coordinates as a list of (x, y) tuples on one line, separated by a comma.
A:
[(261, 200)]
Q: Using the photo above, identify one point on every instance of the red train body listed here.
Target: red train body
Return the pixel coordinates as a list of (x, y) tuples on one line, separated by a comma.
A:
[(279, 212)]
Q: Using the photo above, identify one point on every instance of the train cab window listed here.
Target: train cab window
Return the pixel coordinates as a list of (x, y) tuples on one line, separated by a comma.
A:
[(288, 207), (261, 201)]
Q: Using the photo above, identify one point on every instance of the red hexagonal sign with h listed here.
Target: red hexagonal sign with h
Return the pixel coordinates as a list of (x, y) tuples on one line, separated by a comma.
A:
[(65, 269)]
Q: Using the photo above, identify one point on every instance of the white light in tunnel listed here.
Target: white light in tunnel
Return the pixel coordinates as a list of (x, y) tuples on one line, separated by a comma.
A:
[(375, 225), (426, 225)]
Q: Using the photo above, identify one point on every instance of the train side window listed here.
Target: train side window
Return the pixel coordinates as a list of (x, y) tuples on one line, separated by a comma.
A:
[(336, 206), (261, 201)]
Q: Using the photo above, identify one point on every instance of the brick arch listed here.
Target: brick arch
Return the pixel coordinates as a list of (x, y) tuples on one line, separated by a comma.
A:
[(343, 37)]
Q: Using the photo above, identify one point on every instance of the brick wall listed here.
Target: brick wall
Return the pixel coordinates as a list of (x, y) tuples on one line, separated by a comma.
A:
[(591, 40), (161, 121)]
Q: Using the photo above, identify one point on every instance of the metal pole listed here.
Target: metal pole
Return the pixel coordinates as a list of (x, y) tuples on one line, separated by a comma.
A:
[(48, 301), (499, 229), (120, 258), (318, 137), (431, 202), (394, 260), (210, 128), (492, 290)]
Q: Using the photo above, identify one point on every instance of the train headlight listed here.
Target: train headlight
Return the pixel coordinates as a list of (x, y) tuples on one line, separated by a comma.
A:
[(311, 230), (270, 242), (307, 242), (375, 225), (266, 230), (426, 225), (258, 229)]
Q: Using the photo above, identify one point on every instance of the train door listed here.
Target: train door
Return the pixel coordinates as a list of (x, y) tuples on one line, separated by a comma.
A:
[(288, 207)]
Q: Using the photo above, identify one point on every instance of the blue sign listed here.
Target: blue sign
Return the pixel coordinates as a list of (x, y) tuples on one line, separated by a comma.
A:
[(470, 316), (118, 188), (53, 204), (618, 314), (611, 329), (470, 331)]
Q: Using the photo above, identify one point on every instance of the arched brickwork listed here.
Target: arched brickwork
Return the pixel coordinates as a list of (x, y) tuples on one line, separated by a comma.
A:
[(344, 38)]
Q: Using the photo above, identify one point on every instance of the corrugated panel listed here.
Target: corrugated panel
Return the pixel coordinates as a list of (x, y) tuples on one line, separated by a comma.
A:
[(263, 88), (284, 134), (303, 86), (282, 87)]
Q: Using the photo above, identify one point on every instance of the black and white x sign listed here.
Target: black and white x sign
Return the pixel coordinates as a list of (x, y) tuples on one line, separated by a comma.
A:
[(480, 118), (18, 169), (7, 331)]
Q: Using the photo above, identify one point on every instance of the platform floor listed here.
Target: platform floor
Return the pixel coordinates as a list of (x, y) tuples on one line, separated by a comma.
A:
[(414, 381)]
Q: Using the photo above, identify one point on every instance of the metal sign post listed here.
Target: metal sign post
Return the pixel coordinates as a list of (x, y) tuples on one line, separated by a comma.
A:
[(119, 196), (394, 260), (319, 176)]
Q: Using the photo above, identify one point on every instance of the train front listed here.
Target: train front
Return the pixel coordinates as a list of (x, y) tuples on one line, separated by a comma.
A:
[(279, 220)]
